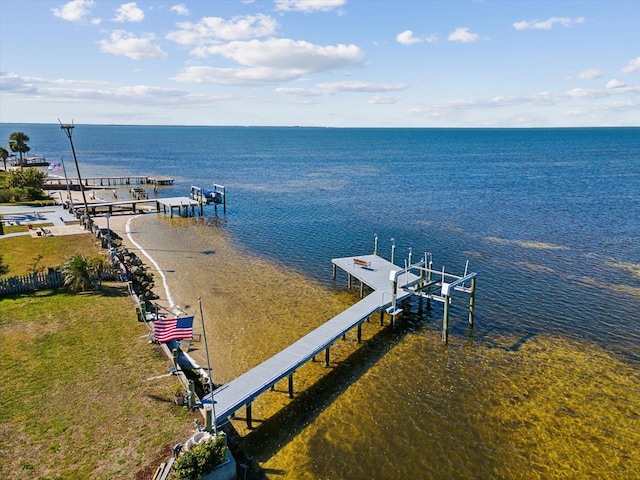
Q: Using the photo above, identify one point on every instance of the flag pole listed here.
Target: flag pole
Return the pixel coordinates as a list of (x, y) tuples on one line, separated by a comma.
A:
[(66, 180), (206, 349)]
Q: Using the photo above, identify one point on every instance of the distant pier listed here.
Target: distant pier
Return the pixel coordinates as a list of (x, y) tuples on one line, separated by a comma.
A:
[(59, 182)]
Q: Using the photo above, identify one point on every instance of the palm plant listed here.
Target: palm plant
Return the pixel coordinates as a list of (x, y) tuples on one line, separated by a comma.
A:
[(18, 143), (77, 274), (4, 154)]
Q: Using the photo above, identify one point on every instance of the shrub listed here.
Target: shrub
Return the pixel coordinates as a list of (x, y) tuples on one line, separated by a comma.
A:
[(30, 182), (200, 459), (6, 195)]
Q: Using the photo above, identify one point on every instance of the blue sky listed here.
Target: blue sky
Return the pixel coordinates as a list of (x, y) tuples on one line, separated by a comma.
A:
[(335, 63)]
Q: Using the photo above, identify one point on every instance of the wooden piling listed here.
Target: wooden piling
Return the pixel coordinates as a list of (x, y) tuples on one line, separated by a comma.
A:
[(208, 419), (429, 282), (291, 386), (472, 301), (445, 321)]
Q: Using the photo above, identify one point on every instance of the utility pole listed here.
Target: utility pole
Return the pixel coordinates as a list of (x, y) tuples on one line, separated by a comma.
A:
[(67, 129)]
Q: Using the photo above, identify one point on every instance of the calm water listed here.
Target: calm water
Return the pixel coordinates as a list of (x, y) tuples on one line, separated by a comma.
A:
[(547, 383)]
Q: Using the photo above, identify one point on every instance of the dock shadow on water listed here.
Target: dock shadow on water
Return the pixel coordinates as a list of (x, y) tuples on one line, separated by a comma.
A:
[(401, 404)]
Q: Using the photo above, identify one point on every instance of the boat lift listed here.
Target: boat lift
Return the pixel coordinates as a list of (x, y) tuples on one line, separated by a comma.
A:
[(216, 195), (434, 285)]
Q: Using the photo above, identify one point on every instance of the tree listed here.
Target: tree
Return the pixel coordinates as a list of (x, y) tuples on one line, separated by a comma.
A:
[(18, 143), (4, 154)]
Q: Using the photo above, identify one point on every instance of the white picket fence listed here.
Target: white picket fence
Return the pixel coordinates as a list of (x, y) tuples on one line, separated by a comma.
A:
[(31, 282)]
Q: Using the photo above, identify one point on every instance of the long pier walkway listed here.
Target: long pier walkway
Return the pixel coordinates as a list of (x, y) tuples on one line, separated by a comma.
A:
[(387, 281)]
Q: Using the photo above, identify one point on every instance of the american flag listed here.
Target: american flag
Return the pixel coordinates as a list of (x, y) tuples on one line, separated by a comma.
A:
[(167, 329)]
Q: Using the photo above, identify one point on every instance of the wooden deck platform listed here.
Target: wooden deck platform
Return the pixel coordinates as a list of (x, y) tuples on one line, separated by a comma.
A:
[(373, 271), (184, 205)]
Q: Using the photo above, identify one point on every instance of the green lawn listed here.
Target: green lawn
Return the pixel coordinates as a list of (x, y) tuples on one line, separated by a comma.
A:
[(21, 253), (76, 402)]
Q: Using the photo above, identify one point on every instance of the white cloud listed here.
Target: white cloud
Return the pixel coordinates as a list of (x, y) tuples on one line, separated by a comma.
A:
[(634, 66), (285, 54), (462, 34), (333, 88), (359, 86), (547, 24), (128, 12), (235, 76), (613, 83), (407, 38), (123, 43), (590, 74), (74, 11), (180, 10), (14, 83), (432, 38), (384, 100), (15, 80), (212, 29), (61, 90), (308, 5), (271, 61), (540, 99)]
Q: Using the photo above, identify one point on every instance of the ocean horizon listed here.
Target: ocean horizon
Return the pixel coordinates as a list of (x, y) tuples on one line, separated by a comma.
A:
[(545, 384)]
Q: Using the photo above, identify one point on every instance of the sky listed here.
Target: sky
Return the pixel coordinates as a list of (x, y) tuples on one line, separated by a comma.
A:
[(325, 63)]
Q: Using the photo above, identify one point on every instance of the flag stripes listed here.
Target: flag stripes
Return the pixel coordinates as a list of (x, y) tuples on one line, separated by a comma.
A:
[(167, 329)]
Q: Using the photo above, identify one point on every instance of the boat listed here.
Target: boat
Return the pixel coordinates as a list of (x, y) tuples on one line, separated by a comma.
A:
[(212, 195), (208, 195)]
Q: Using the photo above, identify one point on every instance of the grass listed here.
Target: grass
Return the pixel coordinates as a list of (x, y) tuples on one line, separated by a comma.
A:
[(76, 402), (21, 253), (22, 228)]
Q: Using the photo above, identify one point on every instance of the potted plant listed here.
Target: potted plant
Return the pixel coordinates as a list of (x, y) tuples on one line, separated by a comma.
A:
[(204, 459)]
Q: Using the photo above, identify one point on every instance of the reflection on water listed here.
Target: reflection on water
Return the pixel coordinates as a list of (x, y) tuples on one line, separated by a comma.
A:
[(499, 402)]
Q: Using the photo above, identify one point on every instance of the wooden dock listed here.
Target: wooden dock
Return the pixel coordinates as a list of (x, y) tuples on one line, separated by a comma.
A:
[(184, 206), (375, 272), (60, 182)]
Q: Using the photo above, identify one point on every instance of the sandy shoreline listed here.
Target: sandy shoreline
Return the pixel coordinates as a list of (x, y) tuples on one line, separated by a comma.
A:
[(120, 223)]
